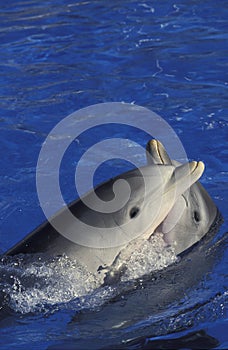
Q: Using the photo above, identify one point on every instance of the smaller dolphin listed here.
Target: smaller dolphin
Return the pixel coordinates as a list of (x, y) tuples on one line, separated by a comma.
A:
[(165, 197), (193, 212)]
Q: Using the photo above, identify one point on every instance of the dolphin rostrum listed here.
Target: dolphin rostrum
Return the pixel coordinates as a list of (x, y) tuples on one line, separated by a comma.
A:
[(164, 196)]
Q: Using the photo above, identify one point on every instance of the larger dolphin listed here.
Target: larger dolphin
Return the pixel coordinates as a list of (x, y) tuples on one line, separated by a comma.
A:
[(147, 210)]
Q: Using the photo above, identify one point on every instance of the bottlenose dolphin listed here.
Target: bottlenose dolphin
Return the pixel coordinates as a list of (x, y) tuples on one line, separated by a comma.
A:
[(193, 212), (164, 196)]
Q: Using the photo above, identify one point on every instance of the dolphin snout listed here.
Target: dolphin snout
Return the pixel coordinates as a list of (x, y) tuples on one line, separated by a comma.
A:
[(193, 169), (156, 153), (186, 175)]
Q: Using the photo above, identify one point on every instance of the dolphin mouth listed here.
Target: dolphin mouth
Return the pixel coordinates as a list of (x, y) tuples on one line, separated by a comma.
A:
[(159, 149), (155, 148), (195, 168), (185, 175)]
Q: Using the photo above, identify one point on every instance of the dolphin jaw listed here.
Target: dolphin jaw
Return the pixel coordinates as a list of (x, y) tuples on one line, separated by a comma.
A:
[(156, 153)]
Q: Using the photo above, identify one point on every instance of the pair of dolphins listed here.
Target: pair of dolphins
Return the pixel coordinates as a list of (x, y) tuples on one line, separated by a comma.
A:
[(182, 211)]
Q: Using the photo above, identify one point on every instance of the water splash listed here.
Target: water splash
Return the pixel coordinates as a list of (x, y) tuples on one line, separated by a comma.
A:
[(150, 256), (35, 283)]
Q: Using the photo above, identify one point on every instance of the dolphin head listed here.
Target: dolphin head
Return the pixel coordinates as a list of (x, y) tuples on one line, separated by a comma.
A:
[(149, 196), (193, 211)]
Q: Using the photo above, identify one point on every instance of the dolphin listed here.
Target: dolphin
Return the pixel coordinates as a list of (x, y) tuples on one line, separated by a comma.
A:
[(193, 213), (164, 196)]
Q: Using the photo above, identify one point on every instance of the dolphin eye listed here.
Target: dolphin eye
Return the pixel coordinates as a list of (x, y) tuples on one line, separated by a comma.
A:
[(196, 215), (134, 212)]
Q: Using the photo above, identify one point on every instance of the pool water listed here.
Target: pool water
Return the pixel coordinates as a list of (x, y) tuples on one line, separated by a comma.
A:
[(60, 56)]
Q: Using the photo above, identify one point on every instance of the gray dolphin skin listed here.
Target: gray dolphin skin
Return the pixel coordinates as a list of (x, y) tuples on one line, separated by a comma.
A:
[(193, 212), (165, 196)]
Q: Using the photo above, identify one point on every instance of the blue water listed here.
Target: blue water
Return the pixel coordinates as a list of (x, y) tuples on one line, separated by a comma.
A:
[(59, 56)]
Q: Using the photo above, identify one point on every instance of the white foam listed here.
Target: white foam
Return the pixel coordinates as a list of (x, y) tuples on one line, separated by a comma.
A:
[(45, 283), (39, 283), (150, 256)]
